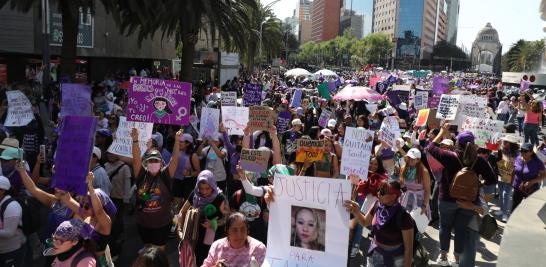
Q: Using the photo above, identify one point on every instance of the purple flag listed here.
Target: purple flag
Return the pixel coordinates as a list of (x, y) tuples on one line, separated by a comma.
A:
[(296, 98), (75, 145), (524, 85), (440, 85), (159, 101), (253, 95), (332, 87), (283, 121), (76, 99)]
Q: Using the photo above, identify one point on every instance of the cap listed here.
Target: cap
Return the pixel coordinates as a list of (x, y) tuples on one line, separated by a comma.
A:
[(4, 183), (332, 123), (447, 142), (414, 153), (70, 230), (9, 142), (527, 147), (186, 137), (326, 132), (407, 135), (152, 154), (10, 153), (465, 137), (510, 138), (403, 106), (97, 152), (296, 122)]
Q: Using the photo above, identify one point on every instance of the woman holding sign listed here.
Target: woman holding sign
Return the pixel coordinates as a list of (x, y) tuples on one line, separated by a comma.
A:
[(153, 180), (415, 178)]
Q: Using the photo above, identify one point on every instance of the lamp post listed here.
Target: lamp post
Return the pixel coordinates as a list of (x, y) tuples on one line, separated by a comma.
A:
[(45, 43), (260, 53)]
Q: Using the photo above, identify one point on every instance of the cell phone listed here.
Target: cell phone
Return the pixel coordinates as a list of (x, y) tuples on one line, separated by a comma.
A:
[(42, 150)]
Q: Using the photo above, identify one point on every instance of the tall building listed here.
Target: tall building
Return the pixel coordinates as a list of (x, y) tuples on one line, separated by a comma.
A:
[(415, 25), (356, 15), (487, 51), (325, 15), (303, 14), (452, 21)]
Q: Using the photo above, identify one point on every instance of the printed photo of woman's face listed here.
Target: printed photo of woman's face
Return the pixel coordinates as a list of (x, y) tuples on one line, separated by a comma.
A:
[(308, 227)]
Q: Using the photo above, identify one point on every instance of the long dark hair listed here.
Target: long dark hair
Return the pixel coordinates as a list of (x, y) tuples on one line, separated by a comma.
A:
[(380, 168), (167, 109), (152, 257)]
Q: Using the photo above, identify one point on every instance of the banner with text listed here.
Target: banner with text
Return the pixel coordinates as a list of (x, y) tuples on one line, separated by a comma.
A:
[(486, 132), (123, 143), (76, 99), (261, 118), (253, 95), (357, 149), (19, 109), (447, 109), (389, 131), (309, 150), (254, 160), (229, 99)]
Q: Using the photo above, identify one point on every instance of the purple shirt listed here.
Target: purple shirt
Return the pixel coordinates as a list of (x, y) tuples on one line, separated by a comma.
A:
[(233, 155), (525, 171)]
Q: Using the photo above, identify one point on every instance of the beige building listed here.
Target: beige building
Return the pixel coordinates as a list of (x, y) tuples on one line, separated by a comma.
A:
[(487, 51)]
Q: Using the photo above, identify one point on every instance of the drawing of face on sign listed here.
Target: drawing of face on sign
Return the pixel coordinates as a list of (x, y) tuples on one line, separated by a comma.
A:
[(161, 106), (308, 227)]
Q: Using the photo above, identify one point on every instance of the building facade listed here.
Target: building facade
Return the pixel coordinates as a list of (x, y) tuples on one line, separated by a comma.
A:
[(325, 18), (101, 46), (487, 51), (452, 21), (303, 14), (357, 16)]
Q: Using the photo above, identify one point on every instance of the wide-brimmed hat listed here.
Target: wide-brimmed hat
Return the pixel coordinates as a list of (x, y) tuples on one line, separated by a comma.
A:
[(9, 142), (511, 138)]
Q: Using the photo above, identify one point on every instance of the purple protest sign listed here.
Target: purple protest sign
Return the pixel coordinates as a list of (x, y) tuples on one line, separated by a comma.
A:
[(440, 85), (76, 99), (434, 101), (159, 101), (332, 87), (73, 155), (296, 98), (282, 121), (253, 95)]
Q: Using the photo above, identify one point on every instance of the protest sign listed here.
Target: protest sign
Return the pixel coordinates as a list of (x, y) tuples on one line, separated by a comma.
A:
[(320, 200), (486, 132), (332, 87), (420, 100), (296, 98), (447, 109), (159, 101), (254, 160), (75, 145), (19, 109), (210, 123), (357, 149), (229, 99), (440, 85), (422, 117), (324, 92), (194, 121), (283, 121), (76, 99), (434, 101), (261, 118), (253, 95), (390, 131), (123, 143), (471, 106), (235, 119), (324, 117), (309, 150)]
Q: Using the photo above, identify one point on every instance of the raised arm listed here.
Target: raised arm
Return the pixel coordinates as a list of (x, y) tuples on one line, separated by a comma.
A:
[(227, 143), (42, 196), (104, 221), (277, 158), (246, 137), (137, 161), (176, 153)]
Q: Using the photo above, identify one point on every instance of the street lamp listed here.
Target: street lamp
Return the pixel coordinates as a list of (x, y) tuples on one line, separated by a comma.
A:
[(261, 29)]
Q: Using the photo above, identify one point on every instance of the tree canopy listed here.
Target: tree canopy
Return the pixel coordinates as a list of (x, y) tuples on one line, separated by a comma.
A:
[(523, 56)]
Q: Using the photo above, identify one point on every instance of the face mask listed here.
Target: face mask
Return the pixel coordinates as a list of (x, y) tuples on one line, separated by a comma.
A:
[(153, 168)]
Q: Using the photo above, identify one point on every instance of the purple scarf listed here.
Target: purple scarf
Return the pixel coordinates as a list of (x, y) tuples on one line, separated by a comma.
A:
[(198, 199), (383, 214)]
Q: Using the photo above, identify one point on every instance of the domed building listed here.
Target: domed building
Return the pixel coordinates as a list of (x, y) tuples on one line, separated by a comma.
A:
[(487, 51)]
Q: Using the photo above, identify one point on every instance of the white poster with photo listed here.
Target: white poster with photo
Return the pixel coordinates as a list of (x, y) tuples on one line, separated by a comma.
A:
[(357, 149), (210, 122), (390, 131), (471, 106), (447, 109), (228, 99), (235, 119), (19, 109), (123, 143), (420, 100), (308, 224)]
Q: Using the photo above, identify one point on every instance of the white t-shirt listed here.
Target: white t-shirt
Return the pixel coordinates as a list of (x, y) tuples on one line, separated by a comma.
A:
[(11, 242)]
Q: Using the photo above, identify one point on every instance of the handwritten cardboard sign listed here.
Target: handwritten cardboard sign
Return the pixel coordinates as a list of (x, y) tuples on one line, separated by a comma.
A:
[(471, 106), (324, 117), (159, 101), (357, 149), (210, 123), (76, 99), (321, 201), (486, 132), (283, 121), (229, 99), (253, 95), (254, 160), (19, 109), (389, 131), (73, 156), (447, 109), (261, 118), (309, 150), (123, 143), (235, 119), (420, 100)]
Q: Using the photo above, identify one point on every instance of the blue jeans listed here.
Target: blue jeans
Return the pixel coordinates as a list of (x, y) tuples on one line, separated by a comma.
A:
[(502, 117), (520, 124), (453, 218), (358, 230), (530, 131), (468, 257), (505, 198)]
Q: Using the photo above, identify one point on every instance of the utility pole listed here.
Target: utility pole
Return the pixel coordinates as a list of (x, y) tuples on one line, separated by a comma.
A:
[(45, 44)]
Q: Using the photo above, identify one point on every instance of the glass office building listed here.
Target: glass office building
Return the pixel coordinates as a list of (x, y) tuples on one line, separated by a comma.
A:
[(410, 28), (357, 15)]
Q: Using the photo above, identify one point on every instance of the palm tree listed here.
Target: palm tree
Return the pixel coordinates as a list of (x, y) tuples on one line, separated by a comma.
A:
[(523, 56), (184, 19), (69, 10)]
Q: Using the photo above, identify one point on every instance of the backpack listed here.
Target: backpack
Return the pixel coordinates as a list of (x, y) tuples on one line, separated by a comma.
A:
[(30, 219), (116, 171), (80, 256), (466, 184)]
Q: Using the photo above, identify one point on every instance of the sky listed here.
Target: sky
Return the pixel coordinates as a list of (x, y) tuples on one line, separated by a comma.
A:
[(513, 19)]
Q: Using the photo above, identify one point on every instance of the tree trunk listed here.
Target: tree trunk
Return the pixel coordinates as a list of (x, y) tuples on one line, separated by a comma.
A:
[(69, 11), (250, 56), (188, 52)]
